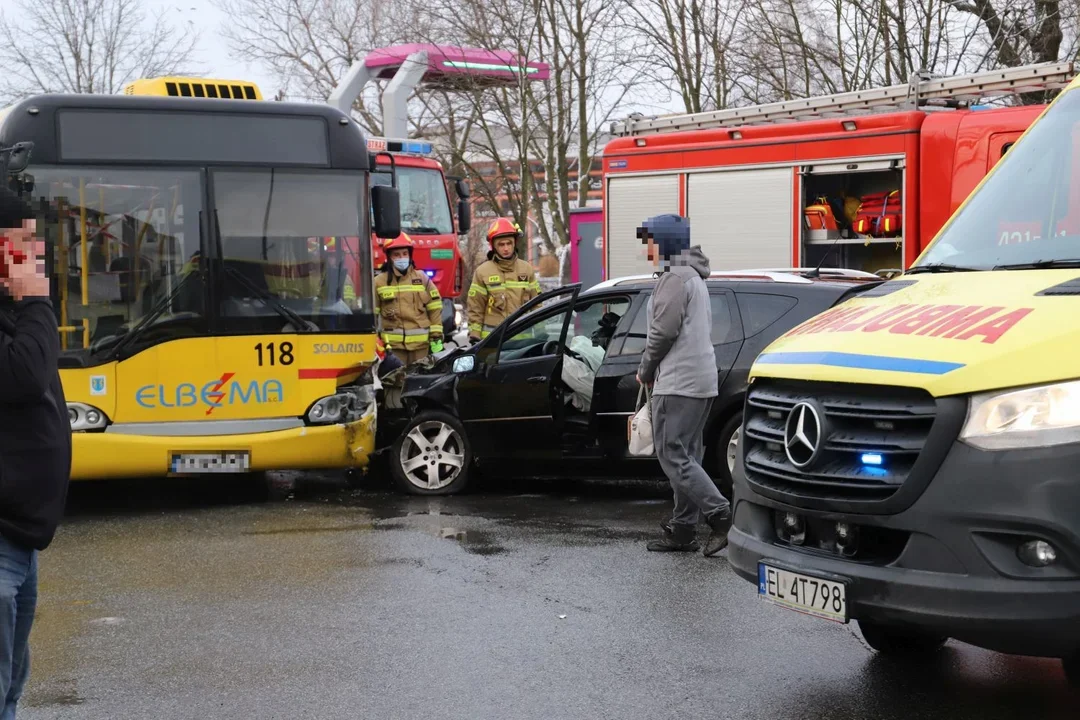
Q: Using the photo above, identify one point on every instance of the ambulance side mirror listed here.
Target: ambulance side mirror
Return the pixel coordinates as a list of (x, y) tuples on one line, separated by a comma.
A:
[(386, 207)]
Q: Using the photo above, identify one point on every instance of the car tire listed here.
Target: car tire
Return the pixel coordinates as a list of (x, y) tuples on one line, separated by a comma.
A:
[(725, 441), (420, 459), (896, 640)]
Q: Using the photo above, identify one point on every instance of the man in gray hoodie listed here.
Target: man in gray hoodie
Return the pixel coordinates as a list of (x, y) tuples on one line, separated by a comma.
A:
[(680, 366)]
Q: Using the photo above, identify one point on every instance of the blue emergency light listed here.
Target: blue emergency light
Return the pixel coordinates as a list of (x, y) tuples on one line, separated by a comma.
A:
[(430, 273), (412, 147), (872, 459)]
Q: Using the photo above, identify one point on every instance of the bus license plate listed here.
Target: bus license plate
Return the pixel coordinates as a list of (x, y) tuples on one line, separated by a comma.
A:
[(814, 596), (211, 462)]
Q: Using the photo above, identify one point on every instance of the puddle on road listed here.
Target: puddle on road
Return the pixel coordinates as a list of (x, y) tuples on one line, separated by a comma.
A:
[(60, 699), (474, 542), (315, 530)]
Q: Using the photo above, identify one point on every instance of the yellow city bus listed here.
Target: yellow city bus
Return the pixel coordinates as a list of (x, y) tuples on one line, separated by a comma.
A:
[(213, 293)]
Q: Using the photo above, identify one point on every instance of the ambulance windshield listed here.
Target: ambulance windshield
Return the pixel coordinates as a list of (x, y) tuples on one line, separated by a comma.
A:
[(1027, 214)]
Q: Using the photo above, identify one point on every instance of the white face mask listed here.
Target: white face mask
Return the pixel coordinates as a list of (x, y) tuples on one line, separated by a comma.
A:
[(402, 264)]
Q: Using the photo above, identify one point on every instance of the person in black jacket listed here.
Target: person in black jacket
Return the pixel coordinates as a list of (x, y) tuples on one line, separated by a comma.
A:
[(35, 437)]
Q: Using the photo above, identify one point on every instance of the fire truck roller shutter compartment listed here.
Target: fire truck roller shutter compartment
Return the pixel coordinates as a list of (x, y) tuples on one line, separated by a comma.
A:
[(631, 201), (742, 218)]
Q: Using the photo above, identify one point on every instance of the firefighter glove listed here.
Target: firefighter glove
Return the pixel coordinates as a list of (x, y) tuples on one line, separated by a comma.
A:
[(436, 346)]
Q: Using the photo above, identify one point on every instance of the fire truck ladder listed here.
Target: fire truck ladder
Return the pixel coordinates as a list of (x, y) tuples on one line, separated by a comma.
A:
[(921, 91)]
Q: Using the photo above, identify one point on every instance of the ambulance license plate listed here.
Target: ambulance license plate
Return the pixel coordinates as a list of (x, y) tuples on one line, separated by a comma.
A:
[(209, 462), (821, 598)]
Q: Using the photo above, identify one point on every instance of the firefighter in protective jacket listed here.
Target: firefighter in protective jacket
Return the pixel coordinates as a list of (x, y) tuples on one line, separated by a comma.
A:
[(502, 284), (409, 304)]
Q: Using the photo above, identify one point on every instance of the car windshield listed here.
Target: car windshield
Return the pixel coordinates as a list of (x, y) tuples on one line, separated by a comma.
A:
[(425, 209), (1028, 210)]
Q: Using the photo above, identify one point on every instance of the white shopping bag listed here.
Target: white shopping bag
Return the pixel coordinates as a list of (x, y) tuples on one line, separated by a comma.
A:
[(639, 427)]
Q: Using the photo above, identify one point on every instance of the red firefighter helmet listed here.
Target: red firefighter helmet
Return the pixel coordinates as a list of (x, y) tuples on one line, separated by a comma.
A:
[(401, 241), (502, 228)]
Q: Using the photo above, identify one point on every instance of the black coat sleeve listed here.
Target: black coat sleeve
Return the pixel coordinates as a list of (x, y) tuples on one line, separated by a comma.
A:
[(28, 357)]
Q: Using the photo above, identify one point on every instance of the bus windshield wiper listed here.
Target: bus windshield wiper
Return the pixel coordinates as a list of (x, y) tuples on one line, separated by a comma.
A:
[(426, 230), (940, 268), (276, 305), (267, 297), (129, 337), (1041, 264)]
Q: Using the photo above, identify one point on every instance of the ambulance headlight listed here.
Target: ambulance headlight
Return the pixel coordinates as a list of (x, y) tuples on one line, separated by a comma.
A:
[(1033, 417), (85, 417)]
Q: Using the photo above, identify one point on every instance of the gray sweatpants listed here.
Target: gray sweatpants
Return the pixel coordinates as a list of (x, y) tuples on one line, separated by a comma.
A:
[(678, 425)]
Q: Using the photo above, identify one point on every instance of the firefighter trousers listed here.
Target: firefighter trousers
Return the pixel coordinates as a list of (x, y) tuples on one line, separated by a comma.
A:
[(408, 357)]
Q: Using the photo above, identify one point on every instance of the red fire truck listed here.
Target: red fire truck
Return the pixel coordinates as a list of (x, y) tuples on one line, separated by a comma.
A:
[(425, 210), (859, 180)]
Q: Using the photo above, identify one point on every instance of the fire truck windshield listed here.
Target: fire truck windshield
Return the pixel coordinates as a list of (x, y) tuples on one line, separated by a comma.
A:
[(1027, 213), (425, 208)]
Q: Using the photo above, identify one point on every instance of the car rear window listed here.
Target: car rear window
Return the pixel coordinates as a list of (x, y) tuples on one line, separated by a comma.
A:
[(759, 311)]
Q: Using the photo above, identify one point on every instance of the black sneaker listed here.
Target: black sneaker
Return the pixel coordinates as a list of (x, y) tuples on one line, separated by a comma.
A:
[(677, 538), (720, 524)]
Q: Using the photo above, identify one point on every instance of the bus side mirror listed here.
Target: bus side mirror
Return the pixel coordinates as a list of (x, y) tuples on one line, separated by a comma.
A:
[(464, 216), (386, 207)]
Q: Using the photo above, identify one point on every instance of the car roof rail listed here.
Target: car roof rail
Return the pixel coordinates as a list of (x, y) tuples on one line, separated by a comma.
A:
[(795, 276)]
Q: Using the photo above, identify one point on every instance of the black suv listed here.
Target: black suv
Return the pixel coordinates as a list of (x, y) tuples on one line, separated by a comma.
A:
[(504, 401)]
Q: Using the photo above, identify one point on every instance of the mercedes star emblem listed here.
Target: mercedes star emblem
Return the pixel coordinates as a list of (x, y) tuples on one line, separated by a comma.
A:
[(802, 435)]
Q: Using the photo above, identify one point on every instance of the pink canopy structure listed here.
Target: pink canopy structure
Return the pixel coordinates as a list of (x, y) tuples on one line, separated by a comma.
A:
[(456, 66), (445, 67)]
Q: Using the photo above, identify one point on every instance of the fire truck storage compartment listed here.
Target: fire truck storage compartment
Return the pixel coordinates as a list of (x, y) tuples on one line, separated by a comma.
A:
[(742, 218), (631, 200), (846, 247)]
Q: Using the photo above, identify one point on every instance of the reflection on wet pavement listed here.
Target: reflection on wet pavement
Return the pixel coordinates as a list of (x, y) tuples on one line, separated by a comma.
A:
[(304, 598)]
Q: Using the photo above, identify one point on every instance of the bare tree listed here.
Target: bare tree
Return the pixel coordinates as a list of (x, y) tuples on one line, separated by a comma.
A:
[(88, 46), (311, 44)]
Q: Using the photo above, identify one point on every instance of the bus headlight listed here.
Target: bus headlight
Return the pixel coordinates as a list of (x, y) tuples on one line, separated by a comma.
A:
[(85, 417), (347, 406), (1033, 417)]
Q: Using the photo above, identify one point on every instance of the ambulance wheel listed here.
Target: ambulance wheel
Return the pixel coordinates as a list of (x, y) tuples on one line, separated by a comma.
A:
[(724, 454), (895, 640), (432, 456)]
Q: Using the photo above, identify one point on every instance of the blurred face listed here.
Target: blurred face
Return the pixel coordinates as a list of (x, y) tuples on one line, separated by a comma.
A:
[(399, 254), (652, 252), (504, 247)]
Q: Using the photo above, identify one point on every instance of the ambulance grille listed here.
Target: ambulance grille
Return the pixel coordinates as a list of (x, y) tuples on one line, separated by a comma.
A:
[(870, 440)]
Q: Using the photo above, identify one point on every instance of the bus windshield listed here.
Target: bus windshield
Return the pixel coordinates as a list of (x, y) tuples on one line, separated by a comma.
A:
[(129, 248), (1027, 213), (425, 209)]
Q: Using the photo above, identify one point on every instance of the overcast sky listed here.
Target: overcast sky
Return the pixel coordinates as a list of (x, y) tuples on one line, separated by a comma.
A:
[(213, 55)]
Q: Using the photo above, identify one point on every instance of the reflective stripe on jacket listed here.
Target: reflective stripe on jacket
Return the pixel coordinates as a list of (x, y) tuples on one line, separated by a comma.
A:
[(498, 289), (410, 308)]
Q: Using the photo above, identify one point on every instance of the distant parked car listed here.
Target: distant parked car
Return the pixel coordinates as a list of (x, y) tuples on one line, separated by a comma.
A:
[(506, 401)]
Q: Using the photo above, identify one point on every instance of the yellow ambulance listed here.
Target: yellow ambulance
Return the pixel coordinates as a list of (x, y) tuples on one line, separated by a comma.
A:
[(910, 459)]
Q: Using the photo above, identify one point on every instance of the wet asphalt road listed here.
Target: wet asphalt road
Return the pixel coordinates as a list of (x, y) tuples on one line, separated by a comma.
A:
[(183, 600)]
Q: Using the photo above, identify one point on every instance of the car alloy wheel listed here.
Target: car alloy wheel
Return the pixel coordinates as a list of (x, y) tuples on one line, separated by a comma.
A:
[(432, 455)]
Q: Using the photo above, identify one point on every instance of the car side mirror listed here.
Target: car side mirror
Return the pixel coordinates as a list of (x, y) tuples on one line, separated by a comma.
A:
[(386, 206), (464, 364), (464, 216)]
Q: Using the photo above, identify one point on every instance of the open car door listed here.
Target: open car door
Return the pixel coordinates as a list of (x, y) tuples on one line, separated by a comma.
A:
[(509, 401)]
